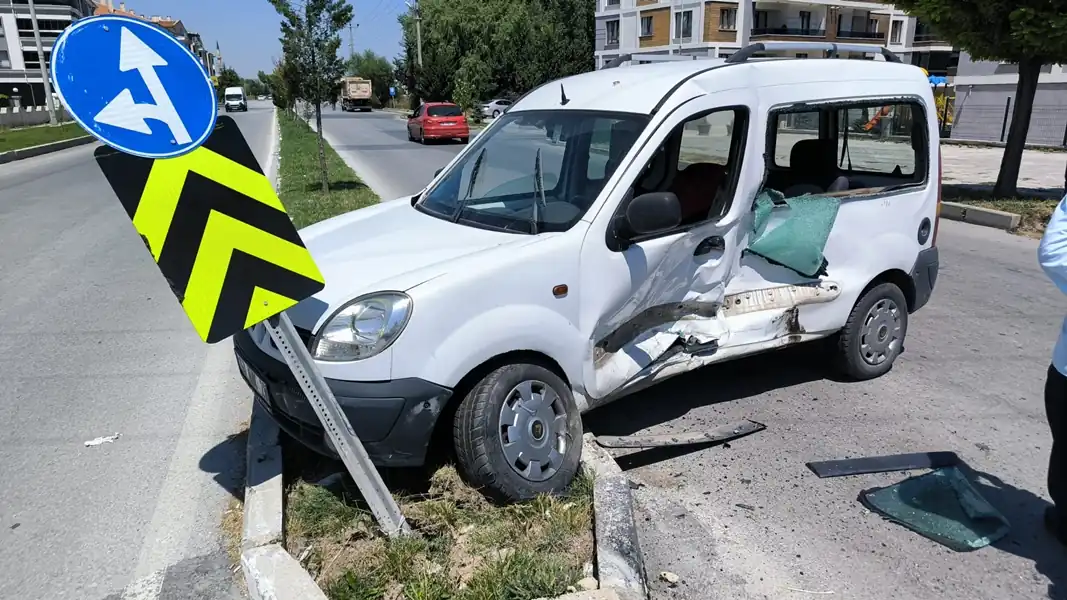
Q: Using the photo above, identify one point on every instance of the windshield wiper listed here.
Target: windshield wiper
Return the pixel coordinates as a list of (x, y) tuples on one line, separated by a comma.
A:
[(539, 191), (470, 186)]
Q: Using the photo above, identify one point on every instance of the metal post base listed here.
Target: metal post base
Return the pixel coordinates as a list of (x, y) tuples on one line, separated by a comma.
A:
[(336, 424)]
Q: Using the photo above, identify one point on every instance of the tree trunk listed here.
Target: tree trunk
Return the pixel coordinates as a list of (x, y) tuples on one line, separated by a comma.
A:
[(322, 149), (1008, 178)]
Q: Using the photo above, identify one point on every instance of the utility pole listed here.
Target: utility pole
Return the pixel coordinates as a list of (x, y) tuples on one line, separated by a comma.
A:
[(44, 67), (351, 44), (418, 31)]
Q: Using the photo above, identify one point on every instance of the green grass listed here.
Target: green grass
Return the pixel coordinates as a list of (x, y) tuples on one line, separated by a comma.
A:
[(16, 139), (300, 175), (463, 547)]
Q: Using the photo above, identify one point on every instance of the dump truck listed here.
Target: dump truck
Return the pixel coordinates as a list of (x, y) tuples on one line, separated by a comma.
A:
[(355, 94)]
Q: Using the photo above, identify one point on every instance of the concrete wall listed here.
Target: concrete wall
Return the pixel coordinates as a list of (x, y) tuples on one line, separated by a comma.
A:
[(27, 118), (979, 111)]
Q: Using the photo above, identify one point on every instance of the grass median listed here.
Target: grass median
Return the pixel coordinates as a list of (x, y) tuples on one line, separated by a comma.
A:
[(28, 137), (1034, 212), (463, 546), (299, 172)]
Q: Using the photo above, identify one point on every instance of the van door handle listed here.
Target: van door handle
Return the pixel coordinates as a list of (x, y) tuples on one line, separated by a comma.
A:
[(715, 242)]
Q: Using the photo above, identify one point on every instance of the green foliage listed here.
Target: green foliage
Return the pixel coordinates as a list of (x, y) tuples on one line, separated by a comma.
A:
[(253, 87), (491, 48), (284, 85), (369, 65), (227, 78), (1011, 30), (310, 40)]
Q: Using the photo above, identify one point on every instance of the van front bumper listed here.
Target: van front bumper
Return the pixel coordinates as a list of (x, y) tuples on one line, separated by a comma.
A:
[(394, 419)]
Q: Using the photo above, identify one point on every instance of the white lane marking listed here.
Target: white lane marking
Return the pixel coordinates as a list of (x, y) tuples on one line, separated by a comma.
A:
[(271, 164), (146, 588), (190, 503)]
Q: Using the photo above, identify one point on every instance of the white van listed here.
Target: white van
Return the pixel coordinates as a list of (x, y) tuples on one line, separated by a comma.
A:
[(600, 237), (234, 99)]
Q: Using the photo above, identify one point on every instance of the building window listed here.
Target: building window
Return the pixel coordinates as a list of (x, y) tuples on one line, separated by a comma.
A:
[(872, 25), (611, 3), (646, 26), (728, 19), (805, 20), (683, 25), (894, 31), (760, 19), (611, 28), (802, 54)]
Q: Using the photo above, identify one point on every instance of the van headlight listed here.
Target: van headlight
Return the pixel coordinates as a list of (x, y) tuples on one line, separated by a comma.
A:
[(362, 328)]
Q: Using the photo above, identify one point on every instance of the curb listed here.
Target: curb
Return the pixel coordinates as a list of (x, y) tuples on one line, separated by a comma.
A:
[(986, 217), (619, 562), (32, 151), (986, 144)]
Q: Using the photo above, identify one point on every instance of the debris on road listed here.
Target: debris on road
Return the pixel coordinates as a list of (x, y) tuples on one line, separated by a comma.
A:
[(793, 589), (106, 439), (719, 434), (883, 464), (670, 578), (943, 506)]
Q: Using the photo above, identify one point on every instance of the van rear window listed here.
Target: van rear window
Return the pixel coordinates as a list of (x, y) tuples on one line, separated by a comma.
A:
[(444, 111)]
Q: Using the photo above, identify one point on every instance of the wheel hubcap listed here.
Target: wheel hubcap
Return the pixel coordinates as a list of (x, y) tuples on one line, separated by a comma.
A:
[(533, 428), (880, 339)]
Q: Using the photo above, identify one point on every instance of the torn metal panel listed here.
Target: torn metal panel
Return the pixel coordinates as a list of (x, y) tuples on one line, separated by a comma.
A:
[(785, 296), (654, 316)]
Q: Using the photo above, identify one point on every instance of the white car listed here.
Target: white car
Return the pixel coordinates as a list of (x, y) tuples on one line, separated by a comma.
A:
[(597, 239), (495, 108)]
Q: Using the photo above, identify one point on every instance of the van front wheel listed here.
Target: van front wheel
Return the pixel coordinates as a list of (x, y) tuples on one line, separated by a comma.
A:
[(873, 336), (518, 433)]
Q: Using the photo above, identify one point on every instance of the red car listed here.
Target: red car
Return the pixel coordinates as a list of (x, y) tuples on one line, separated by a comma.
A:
[(438, 121)]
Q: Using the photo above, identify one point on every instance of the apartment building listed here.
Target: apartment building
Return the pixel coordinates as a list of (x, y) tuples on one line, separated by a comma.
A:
[(650, 28), (20, 66), (176, 27)]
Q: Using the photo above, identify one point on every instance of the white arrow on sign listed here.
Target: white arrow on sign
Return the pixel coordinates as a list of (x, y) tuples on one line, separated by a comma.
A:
[(123, 111)]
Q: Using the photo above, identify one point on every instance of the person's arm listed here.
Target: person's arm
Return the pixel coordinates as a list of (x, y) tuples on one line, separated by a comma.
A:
[(1052, 252)]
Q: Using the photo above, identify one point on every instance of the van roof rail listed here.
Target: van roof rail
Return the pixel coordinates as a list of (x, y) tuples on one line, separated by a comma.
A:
[(750, 51), (623, 58)]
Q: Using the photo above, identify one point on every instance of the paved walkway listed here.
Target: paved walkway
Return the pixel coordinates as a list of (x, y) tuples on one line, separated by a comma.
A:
[(979, 166)]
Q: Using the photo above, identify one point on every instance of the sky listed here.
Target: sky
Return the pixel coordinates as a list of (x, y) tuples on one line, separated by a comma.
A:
[(247, 30)]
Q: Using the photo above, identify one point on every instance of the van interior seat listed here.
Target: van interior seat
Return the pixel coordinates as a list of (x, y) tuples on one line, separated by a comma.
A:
[(696, 187), (813, 166)]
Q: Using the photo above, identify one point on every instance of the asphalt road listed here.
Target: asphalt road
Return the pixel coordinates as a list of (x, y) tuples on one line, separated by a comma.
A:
[(92, 343), (970, 381)]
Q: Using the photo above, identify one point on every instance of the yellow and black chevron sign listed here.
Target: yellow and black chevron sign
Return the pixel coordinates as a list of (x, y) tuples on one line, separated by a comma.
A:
[(217, 231)]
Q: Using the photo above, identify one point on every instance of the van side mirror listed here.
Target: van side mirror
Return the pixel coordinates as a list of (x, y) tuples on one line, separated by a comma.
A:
[(438, 172), (652, 213)]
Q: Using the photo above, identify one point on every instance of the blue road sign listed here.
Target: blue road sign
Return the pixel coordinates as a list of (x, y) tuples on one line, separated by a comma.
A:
[(392, 91), (134, 86)]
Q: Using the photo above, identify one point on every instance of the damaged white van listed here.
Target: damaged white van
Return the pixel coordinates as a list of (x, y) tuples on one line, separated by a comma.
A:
[(613, 229)]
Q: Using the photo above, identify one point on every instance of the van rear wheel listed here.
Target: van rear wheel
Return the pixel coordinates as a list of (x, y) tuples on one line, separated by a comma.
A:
[(518, 433), (873, 336)]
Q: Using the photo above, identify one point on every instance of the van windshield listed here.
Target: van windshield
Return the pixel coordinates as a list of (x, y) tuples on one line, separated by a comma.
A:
[(534, 171), (233, 96)]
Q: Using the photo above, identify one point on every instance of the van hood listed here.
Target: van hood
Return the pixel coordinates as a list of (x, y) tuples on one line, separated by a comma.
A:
[(390, 246)]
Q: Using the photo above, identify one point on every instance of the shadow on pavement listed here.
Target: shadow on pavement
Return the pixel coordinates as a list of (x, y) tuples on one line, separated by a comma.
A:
[(1028, 538), (336, 186), (226, 461)]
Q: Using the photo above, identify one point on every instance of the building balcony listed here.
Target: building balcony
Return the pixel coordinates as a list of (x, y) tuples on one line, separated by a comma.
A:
[(772, 32), (929, 39), (873, 36), (611, 45)]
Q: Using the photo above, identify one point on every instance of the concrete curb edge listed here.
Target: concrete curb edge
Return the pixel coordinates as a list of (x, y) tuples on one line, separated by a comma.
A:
[(620, 565), (32, 151), (986, 217)]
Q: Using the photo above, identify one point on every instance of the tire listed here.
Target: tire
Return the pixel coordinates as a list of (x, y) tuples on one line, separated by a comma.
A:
[(861, 351), (480, 440), (411, 138), (422, 137), (464, 140), (496, 113)]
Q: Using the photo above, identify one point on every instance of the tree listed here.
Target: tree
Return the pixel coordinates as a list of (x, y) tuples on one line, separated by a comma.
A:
[(1028, 33), (310, 40), (253, 87), (265, 81), (227, 78), (483, 48), (369, 65)]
